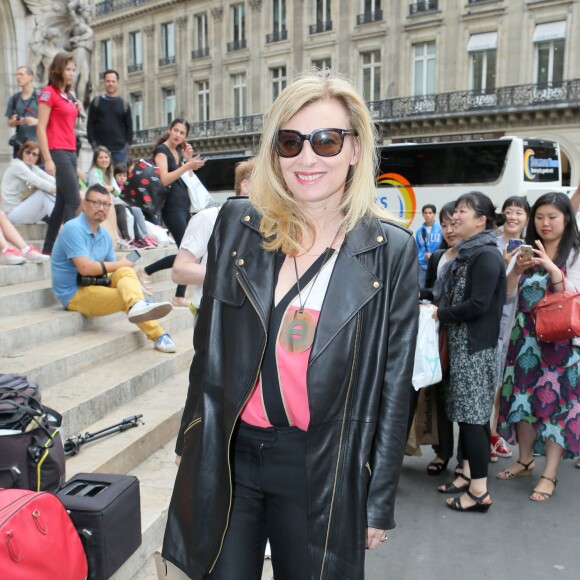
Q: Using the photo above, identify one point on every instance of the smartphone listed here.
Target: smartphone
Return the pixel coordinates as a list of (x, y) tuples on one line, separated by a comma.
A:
[(513, 244), (134, 255), (526, 250)]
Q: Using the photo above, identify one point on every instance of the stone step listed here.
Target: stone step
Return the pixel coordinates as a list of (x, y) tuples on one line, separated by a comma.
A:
[(30, 232), (68, 356), (93, 394), (42, 325), (21, 274), (161, 408)]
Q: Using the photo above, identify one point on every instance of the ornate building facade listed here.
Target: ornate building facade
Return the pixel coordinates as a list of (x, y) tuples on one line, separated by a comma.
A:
[(430, 69)]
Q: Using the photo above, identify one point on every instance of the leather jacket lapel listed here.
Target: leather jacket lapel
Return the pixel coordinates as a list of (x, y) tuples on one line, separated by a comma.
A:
[(351, 286)]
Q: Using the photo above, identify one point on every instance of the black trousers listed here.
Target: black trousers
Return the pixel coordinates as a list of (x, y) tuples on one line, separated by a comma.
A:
[(270, 501), (68, 199), (176, 222)]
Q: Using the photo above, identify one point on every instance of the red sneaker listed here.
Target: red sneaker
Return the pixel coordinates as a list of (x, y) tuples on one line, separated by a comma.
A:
[(492, 455), (500, 447)]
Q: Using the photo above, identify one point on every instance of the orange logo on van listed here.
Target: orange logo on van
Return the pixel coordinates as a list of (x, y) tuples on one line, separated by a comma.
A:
[(395, 193)]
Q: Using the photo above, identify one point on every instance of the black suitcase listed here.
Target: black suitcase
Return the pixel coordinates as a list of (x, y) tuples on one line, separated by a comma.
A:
[(106, 512)]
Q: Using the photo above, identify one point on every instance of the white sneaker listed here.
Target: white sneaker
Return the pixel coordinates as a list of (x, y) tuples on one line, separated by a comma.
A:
[(11, 257), (142, 311), (165, 344)]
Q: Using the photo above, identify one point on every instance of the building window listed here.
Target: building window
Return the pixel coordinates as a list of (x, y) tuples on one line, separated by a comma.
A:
[(200, 41), (278, 81), (238, 27), (167, 106), (322, 16), (482, 49), (137, 110), (279, 31), (322, 63), (106, 55), (167, 44), (202, 101), (371, 75), (371, 12), (424, 69), (239, 94), (549, 39), (135, 52)]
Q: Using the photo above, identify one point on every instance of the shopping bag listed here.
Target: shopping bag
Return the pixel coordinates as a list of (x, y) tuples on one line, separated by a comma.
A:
[(199, 196), (426, 417), (427, 367)]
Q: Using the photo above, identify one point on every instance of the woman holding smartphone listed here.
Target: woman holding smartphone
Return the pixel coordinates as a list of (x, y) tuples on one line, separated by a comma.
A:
[(58, 110), (540, 397), (174, 157)]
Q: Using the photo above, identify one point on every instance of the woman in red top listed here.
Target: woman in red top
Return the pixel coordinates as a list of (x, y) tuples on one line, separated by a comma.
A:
[(58, 110)]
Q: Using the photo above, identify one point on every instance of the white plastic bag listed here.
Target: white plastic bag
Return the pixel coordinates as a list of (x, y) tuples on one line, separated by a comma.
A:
[(199, 196), (427, 368)]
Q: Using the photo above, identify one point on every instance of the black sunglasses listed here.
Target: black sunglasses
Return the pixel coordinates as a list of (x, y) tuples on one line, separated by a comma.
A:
[(324, 142)]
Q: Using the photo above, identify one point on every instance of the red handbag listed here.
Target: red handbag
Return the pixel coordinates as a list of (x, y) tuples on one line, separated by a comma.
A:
[(38, 539), (557, 316)]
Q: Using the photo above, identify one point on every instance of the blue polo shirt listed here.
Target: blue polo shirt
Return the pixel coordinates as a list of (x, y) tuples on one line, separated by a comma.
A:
[(75, 240)]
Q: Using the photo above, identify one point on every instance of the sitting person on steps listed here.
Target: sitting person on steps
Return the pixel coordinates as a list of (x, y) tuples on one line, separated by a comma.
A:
[(13, 249), (83, 254)]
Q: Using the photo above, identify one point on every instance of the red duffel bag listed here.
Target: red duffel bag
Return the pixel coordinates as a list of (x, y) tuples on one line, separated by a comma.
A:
[(38, 539)]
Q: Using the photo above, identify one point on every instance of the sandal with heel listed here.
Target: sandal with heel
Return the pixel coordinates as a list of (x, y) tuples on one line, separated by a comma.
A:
[(544, 494), (526, 472), (437, 467), (452, 488), (478, 506)]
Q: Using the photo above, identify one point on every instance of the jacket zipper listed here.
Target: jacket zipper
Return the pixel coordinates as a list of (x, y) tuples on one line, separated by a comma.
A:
[(355, 355), (236, 420)]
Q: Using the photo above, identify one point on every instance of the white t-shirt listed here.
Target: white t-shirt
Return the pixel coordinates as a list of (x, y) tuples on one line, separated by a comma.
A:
[(195, 240)]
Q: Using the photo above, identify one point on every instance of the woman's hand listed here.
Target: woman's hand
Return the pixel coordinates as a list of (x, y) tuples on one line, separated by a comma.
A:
[(195, 162), (50, 167), (435, 313), (177, 460), (540, 258), (187, 151), (507, 256), (375, 537), (523, 262)]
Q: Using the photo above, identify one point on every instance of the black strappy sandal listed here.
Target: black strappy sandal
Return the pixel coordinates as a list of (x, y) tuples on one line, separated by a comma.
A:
[(507, 474), (437, 467), (478, 506), (452, 488)]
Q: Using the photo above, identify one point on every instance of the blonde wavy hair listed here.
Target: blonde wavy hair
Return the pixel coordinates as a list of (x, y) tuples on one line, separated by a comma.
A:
[(283, 224)]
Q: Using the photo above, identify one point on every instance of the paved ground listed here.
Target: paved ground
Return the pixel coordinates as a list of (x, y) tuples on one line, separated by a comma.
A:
[(516, 540)]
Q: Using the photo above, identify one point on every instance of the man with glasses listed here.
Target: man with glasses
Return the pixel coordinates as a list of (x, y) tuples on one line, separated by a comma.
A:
[(22, 109), (88, 279)]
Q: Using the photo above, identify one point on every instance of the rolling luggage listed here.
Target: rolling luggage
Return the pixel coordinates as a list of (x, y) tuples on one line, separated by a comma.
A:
[(106, 512), (39, 540)]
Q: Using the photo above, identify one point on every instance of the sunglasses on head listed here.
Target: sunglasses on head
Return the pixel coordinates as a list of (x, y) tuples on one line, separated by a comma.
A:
[(324, 142)]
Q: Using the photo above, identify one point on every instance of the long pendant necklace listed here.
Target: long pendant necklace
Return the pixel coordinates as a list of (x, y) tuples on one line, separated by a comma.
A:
[(298, 326)]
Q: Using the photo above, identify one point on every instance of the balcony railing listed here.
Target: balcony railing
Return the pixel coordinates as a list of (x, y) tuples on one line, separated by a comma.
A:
[(200, 52), (237, 44), (422, 6), (135, 67), (367, 17), (166, 60), (321, 26), (277, 36), (107, 6), (501, 100)]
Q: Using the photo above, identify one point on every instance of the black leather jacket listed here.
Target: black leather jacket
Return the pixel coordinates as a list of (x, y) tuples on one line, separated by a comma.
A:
[(358, 388)]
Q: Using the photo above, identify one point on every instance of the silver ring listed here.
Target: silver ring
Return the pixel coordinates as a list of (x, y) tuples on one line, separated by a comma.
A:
[(383, 539)]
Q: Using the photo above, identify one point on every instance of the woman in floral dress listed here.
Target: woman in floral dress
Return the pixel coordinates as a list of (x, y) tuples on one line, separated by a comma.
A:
[(540, 400)]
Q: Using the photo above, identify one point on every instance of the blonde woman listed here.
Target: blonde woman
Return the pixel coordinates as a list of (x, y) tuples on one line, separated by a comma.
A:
[(294, 424)]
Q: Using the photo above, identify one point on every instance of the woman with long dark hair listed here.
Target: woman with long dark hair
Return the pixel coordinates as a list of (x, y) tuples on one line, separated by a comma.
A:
[(58, 110), (174, 157), (540, 398), (474, 289)]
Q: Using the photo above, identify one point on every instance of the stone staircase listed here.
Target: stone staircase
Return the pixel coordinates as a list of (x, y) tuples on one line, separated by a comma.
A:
[(97, 372)]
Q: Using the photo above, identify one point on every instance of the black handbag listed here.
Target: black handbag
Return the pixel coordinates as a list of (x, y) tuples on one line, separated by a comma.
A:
[(143, 188)]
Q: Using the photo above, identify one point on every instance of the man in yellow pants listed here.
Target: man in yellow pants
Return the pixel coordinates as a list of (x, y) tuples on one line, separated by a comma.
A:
[(87, 278)]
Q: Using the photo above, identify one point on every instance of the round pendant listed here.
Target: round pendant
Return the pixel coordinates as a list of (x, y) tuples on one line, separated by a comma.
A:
[(297, 331)]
